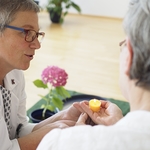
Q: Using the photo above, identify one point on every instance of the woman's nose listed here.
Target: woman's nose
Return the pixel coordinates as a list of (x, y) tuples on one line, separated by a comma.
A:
[(35, 44)]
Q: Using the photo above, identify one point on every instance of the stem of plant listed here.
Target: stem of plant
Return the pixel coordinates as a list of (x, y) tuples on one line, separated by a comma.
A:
[(43, 113), (48, 102)]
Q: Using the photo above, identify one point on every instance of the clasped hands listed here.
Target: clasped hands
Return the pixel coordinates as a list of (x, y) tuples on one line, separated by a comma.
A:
[(109, 114), (81, 114)]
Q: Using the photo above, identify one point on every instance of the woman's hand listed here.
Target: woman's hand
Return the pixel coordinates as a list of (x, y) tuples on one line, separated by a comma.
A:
[(71, 114), (61, 124), (109, 113), (82, 119)]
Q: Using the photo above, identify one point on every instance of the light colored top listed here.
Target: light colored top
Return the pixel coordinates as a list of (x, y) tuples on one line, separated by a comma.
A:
[(14, 81), (130, 133)]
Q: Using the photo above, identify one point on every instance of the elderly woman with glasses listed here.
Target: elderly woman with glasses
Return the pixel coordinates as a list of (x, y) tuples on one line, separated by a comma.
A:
[(19, 38), (131, 132)]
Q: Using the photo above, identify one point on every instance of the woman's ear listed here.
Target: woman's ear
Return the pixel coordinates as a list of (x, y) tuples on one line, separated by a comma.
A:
[(129, 56)]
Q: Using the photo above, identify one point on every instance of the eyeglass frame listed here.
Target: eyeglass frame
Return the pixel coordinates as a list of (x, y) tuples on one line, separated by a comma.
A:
[(122, 42), (26, 32)]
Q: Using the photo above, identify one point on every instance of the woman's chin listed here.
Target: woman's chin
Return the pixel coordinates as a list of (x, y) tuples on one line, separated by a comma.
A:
[(25, 67)]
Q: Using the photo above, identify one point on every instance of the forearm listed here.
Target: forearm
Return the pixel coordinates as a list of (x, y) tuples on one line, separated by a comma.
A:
[(31, 141), (52, 119)]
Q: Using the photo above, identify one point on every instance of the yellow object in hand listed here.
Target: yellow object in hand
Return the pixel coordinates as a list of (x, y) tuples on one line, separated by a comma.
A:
[(94, 105)]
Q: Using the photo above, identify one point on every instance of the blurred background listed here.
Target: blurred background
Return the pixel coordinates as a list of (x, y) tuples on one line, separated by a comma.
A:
[(115, 8), (86, 45)]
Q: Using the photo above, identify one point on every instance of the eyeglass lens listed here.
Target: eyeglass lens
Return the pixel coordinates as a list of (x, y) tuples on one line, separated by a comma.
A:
[(31, 35), (122, 42)]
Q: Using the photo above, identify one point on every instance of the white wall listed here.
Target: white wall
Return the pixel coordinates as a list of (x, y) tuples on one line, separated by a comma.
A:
[(109, 8)]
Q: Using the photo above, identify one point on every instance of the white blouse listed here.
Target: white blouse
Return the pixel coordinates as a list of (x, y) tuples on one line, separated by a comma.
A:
[(131, 133), (14, 81)]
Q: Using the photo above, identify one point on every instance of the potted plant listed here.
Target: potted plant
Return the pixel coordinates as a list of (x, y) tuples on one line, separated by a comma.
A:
[(53, 79), (58, 9), (37, 2)]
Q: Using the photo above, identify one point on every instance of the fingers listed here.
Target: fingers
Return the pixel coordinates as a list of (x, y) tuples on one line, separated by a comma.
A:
[(85, 108), (89, 121), (97, 118), (78, 105), (108, 114), (105, 104), (82, 119), (84, 104)]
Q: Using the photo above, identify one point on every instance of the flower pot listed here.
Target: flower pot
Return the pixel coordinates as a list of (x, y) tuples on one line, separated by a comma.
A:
[(37, 2), (54, 16), (36, 115)]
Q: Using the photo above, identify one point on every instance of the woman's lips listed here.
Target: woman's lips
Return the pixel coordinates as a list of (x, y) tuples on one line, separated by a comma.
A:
[(30, 56)]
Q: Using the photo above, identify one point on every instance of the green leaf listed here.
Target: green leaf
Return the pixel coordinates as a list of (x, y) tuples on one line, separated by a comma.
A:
[(39, 83), (65, 92), (50, 107), (65, 1), (65, 13), (68, 6), (61, 20), (43, 106), (57, 102), (44, 98), (75, 6), (62, 92)]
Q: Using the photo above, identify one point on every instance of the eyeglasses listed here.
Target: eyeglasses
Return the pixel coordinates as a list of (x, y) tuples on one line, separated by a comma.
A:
[(122, 42), (30, 35)]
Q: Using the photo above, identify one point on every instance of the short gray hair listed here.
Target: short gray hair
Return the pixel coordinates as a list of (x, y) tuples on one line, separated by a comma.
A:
[(8, 9), (137, 28)]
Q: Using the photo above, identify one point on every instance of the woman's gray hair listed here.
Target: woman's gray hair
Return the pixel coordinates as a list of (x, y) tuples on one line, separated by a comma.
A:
[(137, 28), (8, 9)]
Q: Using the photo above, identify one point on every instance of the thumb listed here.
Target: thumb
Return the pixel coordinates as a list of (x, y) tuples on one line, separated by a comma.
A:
[(82, 119)]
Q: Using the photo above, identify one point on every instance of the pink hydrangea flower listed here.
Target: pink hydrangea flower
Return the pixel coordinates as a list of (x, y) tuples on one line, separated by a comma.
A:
[(55, 76)]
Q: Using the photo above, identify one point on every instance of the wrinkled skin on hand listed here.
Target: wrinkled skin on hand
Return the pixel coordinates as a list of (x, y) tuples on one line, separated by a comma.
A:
[(72, 113), (109, 113), (65, 118), (84, 119)]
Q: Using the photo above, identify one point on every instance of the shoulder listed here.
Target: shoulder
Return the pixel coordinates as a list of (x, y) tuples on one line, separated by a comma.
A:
[(99, 137)]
